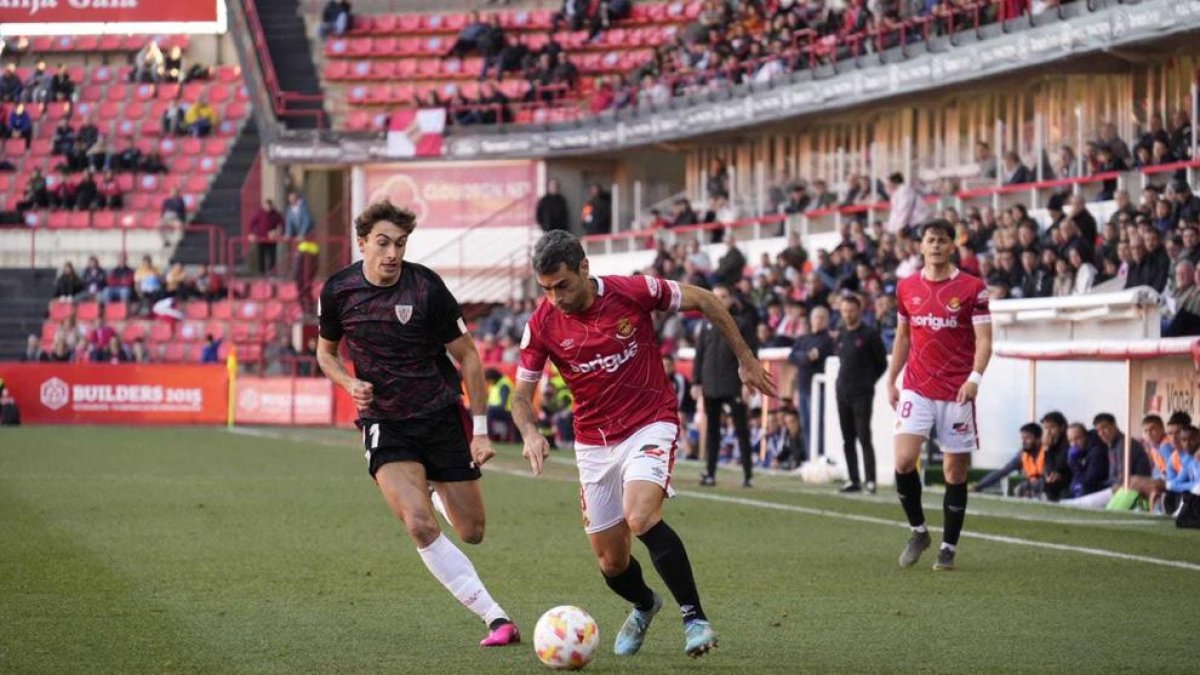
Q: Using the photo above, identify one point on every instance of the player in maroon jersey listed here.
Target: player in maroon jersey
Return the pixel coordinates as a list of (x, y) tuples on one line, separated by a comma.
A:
[(599, 331), (944, 343)]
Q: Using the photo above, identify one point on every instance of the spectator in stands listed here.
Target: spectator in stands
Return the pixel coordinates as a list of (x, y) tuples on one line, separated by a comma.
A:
[(1085, 272), (61, 352), (120, 282), (1181, 134), (1058, 470), (1080, 215), (99, 155), (1143, 157), (468, 38), (148, 281), (985, 160), (552, 209), (94, 279), (1160, 154), (109, 192), (11, 86), (172, 214), (1030, 460), (1110, 140), (1015, 171), (798, 201), (1088, 461), (209, 284), (148, 63), (64, 138), (822, 197), (1155, 132), (20, 124), (732, 264), (37, 195), (1153, 265), (1183, 304), (68, 285), (38, 86), (682, 213), (86, 192), (907, 207), (336, 19), (176, 281), (111, 352), (173, 119), (1112, 440), (596, 216), (61, 86), (266, 226), (1187, 205), (210, 353), (574, 13), (1110, 162), (99, 335), (808, 355), (298, 221), (33, 350), (200, 119)]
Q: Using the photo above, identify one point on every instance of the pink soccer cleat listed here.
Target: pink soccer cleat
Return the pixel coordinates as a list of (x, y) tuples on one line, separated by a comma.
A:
[(504, 634)]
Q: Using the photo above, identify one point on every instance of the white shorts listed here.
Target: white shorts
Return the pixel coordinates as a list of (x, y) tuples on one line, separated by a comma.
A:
[(648, 455), (954, 422)]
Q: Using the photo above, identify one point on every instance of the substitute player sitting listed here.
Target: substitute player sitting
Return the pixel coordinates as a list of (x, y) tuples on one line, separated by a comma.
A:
[(398, 320), (944, 343), (599, 332)]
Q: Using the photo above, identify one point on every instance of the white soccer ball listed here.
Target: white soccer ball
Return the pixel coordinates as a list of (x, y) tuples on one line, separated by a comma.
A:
[(565, 638)]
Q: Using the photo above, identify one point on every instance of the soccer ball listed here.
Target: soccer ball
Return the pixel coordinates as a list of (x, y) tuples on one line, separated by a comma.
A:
[(565, 638)]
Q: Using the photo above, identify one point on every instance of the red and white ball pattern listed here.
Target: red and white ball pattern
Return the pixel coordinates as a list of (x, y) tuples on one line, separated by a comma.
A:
[(565, 638)]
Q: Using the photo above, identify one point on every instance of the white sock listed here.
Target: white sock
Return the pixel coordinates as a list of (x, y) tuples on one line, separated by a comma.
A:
[(452, 568), (920, 528), (440, 507), (949, 547)]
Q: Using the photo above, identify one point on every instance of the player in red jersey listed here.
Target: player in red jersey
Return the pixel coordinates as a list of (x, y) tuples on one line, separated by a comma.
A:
[(944, 343), (599, 331)]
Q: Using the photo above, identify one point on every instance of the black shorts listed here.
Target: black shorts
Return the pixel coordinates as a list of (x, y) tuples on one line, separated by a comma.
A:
[(439, 442)]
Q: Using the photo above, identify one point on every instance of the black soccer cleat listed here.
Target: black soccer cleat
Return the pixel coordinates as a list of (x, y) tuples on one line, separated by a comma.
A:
[(917, 543), (945, 561)]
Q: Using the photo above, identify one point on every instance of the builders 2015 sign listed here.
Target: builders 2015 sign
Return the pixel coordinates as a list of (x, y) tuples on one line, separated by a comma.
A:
[(32, 13)]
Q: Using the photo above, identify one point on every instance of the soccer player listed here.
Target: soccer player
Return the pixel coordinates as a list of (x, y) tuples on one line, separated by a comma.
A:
[(599, 332), (398, 320), (944, 343)]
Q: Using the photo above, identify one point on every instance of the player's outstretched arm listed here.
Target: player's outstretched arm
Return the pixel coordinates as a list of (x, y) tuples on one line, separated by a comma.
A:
[(464, 352), (749, 369), (983, 354), (331, 364), (900, 347), (536, 448)]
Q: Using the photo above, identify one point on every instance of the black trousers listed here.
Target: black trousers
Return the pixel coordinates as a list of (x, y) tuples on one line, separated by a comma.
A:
[(741, 427), (266, 256), (854, 414)]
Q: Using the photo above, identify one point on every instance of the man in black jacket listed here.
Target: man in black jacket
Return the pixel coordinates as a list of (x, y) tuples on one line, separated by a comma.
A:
[(863, 359), (552, 211), (808, 355), (1058, 471), (597, 212), (715, 377)]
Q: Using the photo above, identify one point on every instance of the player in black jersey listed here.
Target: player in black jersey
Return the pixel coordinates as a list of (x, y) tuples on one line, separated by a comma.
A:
[(398, 320)]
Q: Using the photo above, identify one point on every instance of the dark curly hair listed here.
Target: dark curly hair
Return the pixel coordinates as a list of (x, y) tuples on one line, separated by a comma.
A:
[(385, 211)]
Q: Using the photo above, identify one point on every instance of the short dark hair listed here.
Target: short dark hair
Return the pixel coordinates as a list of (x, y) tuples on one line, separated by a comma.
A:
[(1152, 419), (387, 212), (1180, 418), (1055, 417), (1033, 429), (897, 178), (1103, 418), (851, 298), (938, 225), (555, 248)]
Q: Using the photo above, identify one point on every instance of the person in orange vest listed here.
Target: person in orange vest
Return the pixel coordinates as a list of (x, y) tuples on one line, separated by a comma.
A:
[(1030, 460)]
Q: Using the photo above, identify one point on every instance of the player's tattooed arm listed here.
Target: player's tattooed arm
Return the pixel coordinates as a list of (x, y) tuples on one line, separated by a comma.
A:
[(900, 347), (536, 448), (749, 369), (331, 364)]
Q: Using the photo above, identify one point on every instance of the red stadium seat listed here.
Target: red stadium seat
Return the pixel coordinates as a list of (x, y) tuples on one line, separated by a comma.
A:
[(337, 70), (193, 90), (383, 47), (222, 310), (181, 165), (116, 311), (247, 311), (134, 330), (228, 74), (192, 146), (358, 120), (196, 309), (145, 92), (58, 220), (86, 43), (168, 92), (175, 353), (273, 311), (161, 331), (109, 43), (126, 128), (236, 110), (336, 48), (42, 146), (87, 311), (360, 47), (250, 353), (104, 220), (215, 329), (216, 147), (384, 24), (190, 331), (195, 184), (79, 220), (207, 165), (220, 93), (261, 290), (383, 70), (61, 309)]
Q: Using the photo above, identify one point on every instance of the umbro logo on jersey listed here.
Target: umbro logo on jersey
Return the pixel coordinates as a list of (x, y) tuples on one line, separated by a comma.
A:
[(404, 313), (567, 344)]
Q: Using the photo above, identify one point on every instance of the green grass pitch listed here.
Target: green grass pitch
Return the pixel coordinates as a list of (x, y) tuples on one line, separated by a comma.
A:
[(190, 550)]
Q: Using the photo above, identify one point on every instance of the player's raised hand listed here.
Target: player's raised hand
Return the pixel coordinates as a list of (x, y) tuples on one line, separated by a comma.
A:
[(756, 377), (967, 392), (536, 451), (893, 395), (362, 393), (481, 449)]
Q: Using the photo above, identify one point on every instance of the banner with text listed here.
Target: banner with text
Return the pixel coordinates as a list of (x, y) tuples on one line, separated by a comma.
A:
[(47, 17), (106, 394), (284, 400), (457, 194)]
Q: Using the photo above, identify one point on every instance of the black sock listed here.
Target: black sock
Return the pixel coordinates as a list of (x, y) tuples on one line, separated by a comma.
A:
[(955, 508), (671, 561), (498, 622), (908, 485), (631, 586)]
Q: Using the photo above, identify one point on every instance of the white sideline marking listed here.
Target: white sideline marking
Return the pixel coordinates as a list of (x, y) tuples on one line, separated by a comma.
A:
[(826, 513)]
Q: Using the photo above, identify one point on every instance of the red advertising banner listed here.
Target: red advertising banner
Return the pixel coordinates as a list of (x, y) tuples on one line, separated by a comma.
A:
[(284, 400), (107, 394), (108, 11), (458, 194)]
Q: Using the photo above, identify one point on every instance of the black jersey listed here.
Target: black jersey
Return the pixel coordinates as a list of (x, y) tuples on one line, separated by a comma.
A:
[(397, 338)]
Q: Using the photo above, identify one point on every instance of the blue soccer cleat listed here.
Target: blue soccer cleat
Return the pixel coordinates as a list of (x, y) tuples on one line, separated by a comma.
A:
[(633, 631), (700, 638)]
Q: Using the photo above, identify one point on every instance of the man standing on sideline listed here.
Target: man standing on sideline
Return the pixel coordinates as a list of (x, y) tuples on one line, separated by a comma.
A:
[(265, 228), (552, 210), (808, 355), (399, 321), (298, 221), (863, 359), (715, 378), (945, 326), (599, 332), (597, 211)]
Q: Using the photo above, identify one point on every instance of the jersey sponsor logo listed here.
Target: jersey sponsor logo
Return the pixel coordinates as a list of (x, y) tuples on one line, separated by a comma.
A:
[(608, 363), (404, 313), (624, 329), (933, 322)]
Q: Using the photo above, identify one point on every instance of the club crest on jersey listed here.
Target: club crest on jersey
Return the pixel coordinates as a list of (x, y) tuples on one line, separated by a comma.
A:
[(404, 313), (624, 329), (954, 305)]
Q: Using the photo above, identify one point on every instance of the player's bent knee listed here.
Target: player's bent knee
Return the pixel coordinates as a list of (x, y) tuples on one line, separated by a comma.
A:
[(611, 564), (470, 533), (423, 530), (640, 523)]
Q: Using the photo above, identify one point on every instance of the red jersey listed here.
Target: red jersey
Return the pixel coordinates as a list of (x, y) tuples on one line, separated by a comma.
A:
[(609, 357), (941, 318)]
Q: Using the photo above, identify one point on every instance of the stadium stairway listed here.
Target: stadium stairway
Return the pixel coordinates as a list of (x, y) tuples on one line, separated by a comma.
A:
[(23, 293), (291, 52), (223, 205)]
